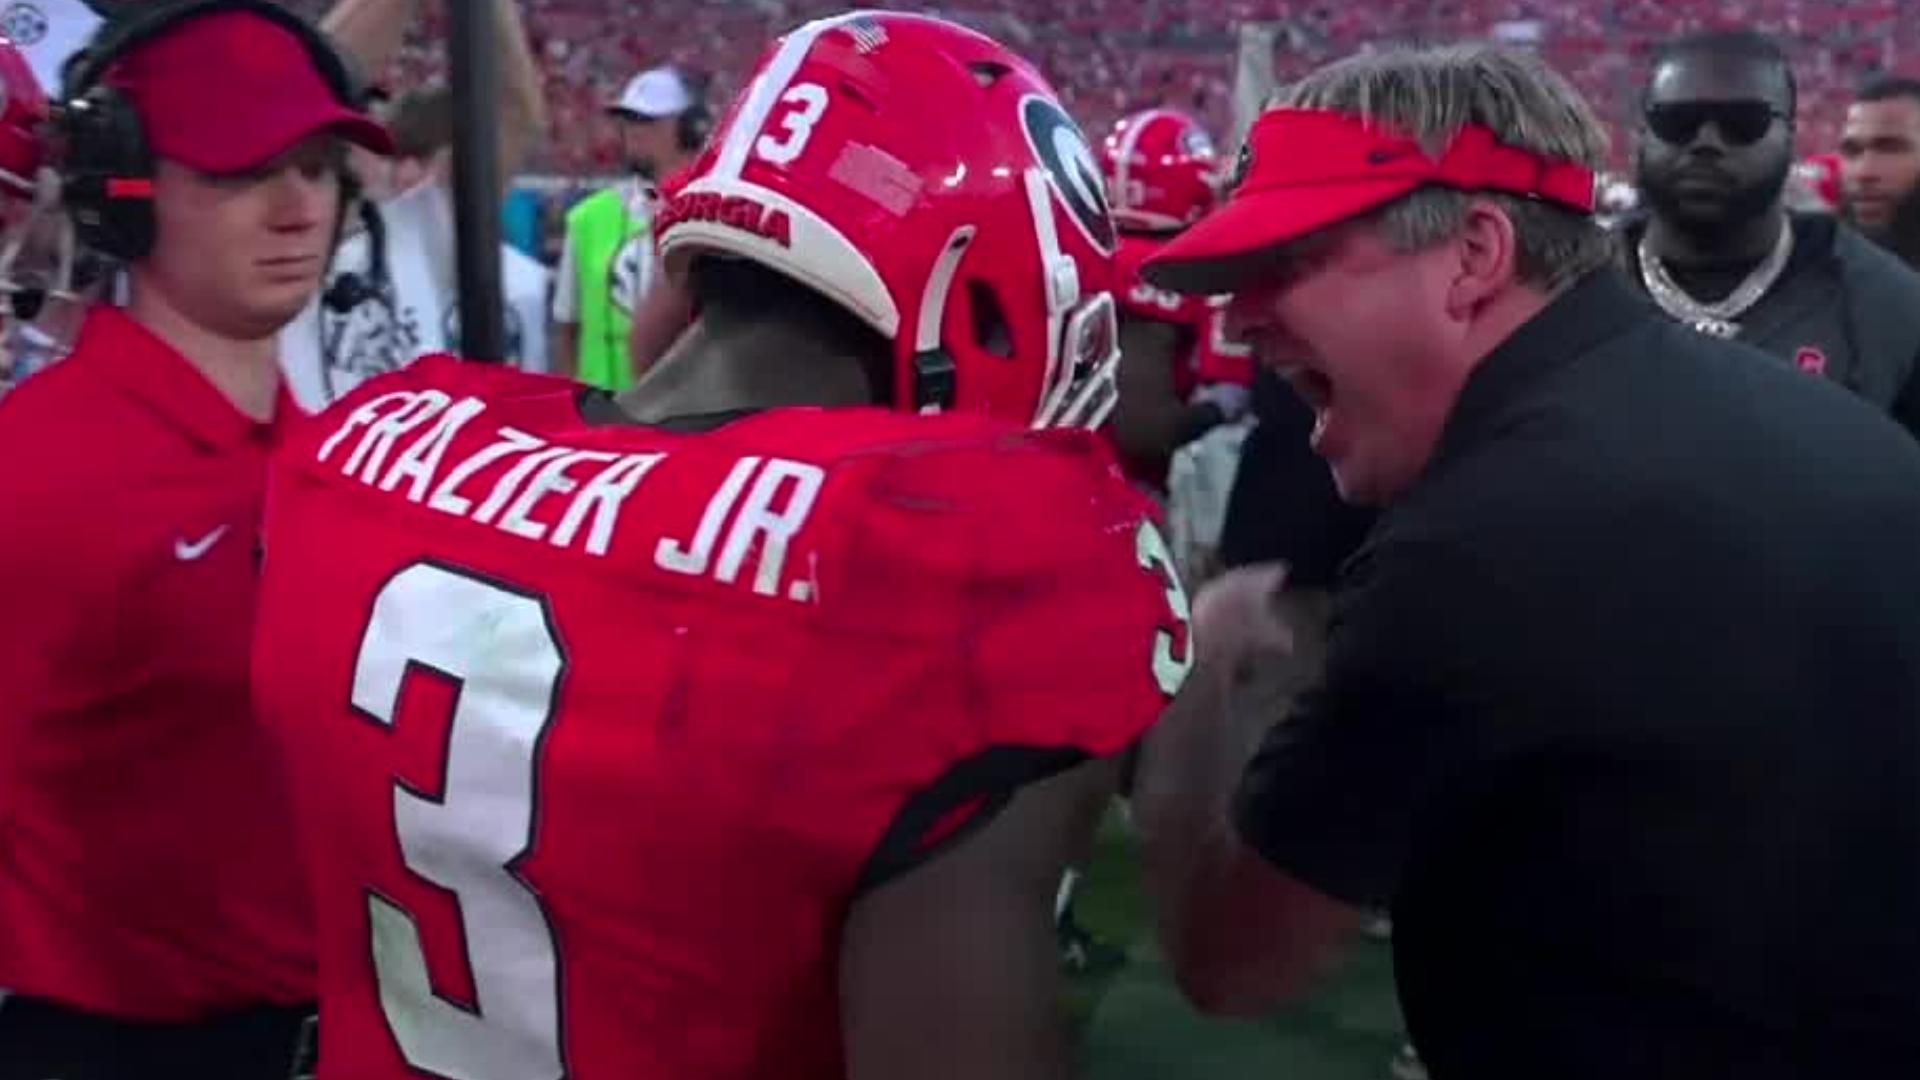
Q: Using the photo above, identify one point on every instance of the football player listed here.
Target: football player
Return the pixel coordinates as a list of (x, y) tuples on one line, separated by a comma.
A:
[(28, 215), (1181, 375), (734, 727)]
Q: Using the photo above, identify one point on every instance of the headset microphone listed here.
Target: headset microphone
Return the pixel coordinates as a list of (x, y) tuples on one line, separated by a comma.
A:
[(352, 289)]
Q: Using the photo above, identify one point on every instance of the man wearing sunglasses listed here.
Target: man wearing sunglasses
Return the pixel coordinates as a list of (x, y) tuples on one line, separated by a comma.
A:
[(1720, 252)]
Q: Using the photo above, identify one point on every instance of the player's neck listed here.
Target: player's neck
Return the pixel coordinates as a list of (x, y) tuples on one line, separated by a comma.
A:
[(1743, 242), (246, 372), (767, 365)]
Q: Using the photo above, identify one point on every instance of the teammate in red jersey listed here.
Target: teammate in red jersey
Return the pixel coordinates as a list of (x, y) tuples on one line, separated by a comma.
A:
[(1181, 374), (27, 215), (698, 734)]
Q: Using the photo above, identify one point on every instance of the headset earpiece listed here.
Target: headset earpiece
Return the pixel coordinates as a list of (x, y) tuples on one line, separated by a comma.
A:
[(107, 173), (693, 127), (351, 288)]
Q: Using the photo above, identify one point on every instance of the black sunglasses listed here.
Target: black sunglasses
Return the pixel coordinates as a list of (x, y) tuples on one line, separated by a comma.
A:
[(1740, 123)]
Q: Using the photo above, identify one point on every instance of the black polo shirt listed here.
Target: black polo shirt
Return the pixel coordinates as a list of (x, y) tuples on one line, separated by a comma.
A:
[(1843, 310), (1622, 713)]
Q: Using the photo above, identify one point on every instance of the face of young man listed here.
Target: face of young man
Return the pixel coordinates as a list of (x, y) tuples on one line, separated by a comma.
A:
[(647, 142), (242, 254), (1880, 158)]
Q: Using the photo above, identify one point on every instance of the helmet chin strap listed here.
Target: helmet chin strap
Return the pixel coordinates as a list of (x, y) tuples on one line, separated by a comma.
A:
[(933, 367), (933, 302)]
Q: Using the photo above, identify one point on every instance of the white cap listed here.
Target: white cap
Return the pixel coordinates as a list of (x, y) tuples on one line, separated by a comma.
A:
[(655, 94)]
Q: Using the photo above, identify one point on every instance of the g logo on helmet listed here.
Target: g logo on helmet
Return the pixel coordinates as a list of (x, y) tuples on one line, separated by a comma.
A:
[(1071, 168)]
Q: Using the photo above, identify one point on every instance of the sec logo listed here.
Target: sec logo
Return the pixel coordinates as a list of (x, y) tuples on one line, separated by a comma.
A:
[(24, 23)]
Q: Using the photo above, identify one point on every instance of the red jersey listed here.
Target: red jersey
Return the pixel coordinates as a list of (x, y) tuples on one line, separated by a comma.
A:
[(147, 869), (1211, 357), (599, 730)]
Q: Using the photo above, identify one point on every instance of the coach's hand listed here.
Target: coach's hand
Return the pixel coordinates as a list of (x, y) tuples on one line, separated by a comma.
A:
[(1237, 618)]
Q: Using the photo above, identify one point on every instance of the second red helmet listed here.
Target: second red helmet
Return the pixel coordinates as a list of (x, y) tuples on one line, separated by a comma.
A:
[(1160, 167)]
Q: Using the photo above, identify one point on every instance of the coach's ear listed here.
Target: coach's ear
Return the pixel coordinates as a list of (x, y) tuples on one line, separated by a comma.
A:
[(950, 970), (1488, 253)]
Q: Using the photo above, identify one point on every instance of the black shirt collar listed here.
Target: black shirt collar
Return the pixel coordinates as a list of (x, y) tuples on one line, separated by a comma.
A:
[(601, 408), (1589, 312)]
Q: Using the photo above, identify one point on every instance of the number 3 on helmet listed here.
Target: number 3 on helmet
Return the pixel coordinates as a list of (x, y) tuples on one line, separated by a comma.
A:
[(925, 178)]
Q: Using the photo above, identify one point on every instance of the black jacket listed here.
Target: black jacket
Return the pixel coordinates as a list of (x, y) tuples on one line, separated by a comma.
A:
[(1902, 237), (1845, 308), (1621, 709)]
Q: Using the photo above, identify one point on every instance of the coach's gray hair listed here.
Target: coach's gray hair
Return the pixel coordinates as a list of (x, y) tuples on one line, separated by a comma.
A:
[(1429, 95)]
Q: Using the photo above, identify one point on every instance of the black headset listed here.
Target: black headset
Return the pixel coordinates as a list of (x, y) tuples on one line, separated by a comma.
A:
[(106, 167), (694, 125)]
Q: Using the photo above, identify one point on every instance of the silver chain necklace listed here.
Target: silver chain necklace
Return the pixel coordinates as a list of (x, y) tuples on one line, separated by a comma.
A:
[(1715, 319)]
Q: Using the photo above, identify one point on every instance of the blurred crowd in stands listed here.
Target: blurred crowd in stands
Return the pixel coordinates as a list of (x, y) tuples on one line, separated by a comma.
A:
[(1109, 57)]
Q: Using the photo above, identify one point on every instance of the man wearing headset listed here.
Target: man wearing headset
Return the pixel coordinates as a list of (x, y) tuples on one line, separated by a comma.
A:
[(153, 917), (607, 262), (390, 295)]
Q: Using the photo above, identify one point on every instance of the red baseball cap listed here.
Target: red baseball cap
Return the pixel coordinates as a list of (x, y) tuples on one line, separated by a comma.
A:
[(1305, 169), (229, 91)]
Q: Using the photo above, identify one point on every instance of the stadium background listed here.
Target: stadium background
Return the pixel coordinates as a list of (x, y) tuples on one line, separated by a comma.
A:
[(1108, 58)]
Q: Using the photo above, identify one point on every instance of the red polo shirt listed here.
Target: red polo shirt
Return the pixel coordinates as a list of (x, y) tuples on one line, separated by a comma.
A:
[(147, 868)]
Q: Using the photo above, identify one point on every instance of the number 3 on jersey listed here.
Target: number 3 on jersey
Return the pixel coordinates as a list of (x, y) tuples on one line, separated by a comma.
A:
[(500, 649), (1172, 646)]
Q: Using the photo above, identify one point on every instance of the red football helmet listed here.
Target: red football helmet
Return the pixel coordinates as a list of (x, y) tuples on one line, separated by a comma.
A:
[(926, 179), (1160, 168), (36, 237), (23, 119)]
